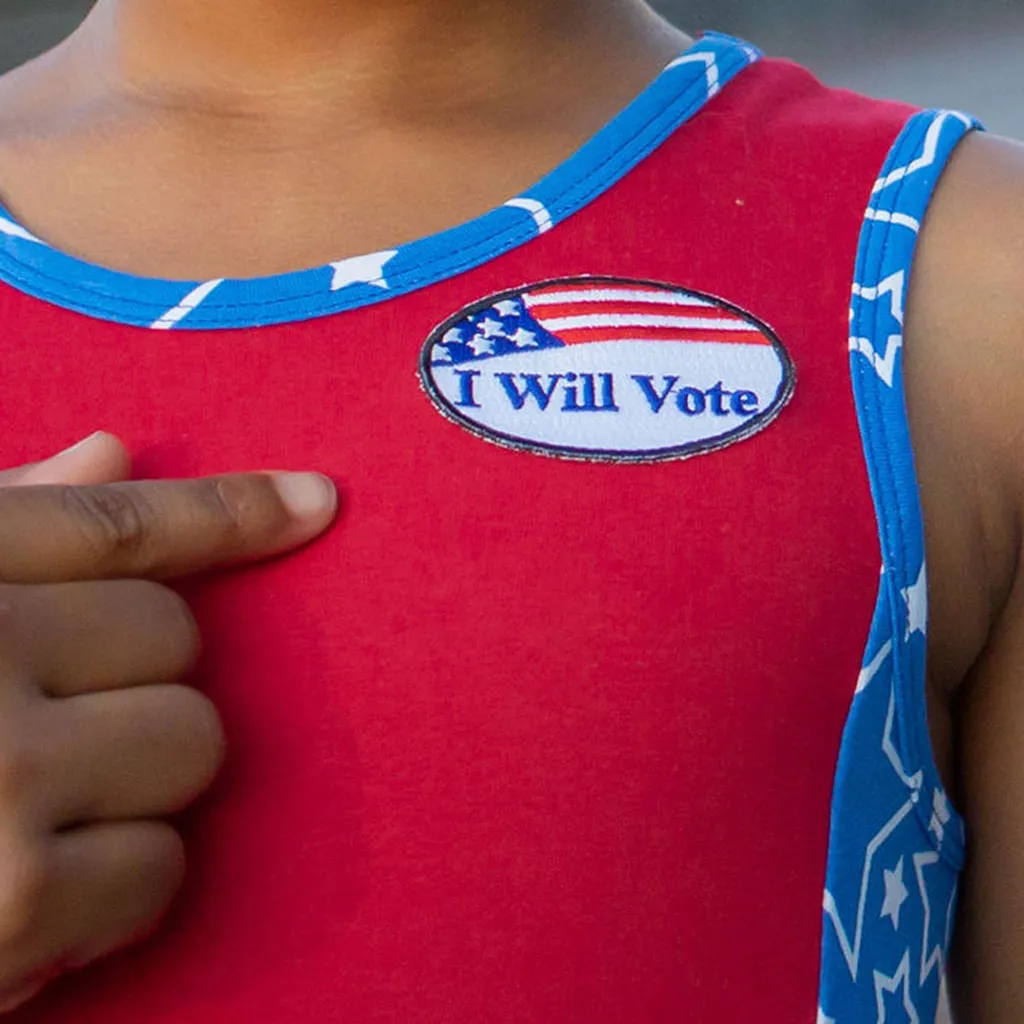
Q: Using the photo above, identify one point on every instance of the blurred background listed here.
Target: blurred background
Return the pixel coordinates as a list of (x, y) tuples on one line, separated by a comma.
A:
[(967, 54)]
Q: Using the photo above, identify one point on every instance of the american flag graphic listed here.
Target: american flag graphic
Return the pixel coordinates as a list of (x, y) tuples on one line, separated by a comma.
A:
[(579, 312), (607, 369), (599, 311)]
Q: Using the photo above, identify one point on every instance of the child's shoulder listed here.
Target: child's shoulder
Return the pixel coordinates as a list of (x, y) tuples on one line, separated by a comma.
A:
[(35, 100), (32, 92)]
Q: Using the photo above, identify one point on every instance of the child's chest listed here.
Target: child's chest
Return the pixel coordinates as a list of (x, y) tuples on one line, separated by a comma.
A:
[(516, 700)]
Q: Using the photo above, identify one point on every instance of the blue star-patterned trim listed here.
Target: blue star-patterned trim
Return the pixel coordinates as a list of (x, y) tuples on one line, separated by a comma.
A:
[(896, 845), (680, 92)]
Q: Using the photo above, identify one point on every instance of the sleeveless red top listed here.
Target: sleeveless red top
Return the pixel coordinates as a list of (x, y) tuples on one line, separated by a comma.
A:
[(545, 729)]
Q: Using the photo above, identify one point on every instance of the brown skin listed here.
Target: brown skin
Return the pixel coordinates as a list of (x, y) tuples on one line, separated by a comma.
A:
[(289, 134), (98, 739), (964, 373)]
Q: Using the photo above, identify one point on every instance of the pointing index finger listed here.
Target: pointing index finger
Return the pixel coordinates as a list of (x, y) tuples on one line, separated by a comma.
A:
[(157, 529)]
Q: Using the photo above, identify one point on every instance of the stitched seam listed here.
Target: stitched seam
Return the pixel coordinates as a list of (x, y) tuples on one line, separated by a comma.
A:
[(894, 529), (890, 510), (911, 699)]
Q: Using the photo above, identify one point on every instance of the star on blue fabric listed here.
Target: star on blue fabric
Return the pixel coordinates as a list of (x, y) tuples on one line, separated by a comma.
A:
[(896, 844)]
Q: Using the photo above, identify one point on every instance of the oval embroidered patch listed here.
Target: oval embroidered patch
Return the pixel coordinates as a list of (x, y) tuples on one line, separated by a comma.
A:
[(607, 369)]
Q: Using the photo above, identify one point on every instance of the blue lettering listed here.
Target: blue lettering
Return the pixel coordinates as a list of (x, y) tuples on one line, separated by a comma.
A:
[(654, 399), (691, 401), (532, 388), (467, 400), (745, 403), (718, 395), (595, 392), (589, 402), (607, 393), (569, 393)]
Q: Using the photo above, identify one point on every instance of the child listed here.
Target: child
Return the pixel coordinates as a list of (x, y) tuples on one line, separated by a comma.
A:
[(548, 728)]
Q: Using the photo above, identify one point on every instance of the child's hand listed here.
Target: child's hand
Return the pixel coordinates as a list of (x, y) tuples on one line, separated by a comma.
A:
[(97, 740)]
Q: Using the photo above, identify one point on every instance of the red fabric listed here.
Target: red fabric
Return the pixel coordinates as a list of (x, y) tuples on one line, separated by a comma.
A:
[(522, 739)]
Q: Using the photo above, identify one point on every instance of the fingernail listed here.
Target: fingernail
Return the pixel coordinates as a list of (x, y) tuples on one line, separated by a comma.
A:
[(306, 495), (80, 444)]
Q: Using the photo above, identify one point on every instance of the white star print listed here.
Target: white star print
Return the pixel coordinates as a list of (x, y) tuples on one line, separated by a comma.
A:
[(708, 59), (945, 1014), (900, 980), (454, 336), (480, 344), (896, 894), (507, 308), (894, 286), (367, 269), (193, 300), (912, 782), (524, 339), (852, 946), (916, 598), (872, 669), (941, 815), (933, 954), (491, 328), (537, 210), (8, 227), (912, 888), (885, 364), (852, 951), (928, 153)]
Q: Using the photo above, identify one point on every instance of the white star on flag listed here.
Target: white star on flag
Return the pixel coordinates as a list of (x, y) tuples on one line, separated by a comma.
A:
[(480, 344), (524, 339), (491, 328), (367, 269), (454, 336), (507, 308), (916, 598), (896, 894)]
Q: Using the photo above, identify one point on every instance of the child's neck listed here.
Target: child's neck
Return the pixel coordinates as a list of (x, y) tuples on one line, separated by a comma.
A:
[(212, 138), (254, 55)]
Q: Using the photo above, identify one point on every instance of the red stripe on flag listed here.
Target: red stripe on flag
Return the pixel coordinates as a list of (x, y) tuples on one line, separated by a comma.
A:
[(552, 312), (582, 335)]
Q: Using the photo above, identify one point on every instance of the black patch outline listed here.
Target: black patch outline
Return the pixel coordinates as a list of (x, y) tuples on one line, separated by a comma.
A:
[(655, 455)]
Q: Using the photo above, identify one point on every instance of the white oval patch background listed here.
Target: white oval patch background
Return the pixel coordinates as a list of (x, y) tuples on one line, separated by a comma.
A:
[(607, 369)]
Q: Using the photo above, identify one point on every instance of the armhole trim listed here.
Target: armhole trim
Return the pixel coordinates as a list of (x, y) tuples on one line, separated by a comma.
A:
[(888, 243)]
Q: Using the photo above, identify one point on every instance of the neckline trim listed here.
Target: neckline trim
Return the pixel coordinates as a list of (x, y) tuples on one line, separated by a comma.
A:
[(30, 265)]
